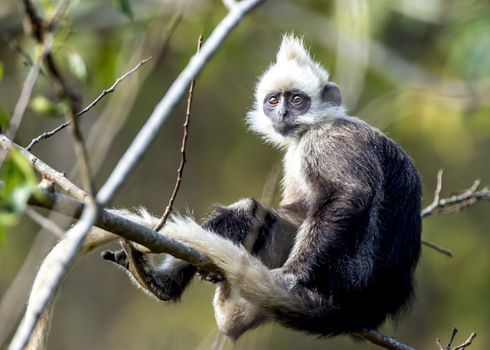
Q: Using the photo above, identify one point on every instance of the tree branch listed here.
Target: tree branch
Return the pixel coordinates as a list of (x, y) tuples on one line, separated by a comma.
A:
[(463, 346), (438, 248), (452, 204), (119, 225), (455, 203)]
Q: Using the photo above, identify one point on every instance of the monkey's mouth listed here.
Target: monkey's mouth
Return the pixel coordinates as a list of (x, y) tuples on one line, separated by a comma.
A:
[(287, 129)]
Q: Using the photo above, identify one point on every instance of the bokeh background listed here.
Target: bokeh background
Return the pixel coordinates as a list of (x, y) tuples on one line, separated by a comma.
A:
[(419, 70)]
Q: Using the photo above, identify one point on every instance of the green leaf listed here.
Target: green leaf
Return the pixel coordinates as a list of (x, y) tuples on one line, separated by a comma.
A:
[(125, 7), (20, 182), (77, 65), (1, 71), (44, 106)]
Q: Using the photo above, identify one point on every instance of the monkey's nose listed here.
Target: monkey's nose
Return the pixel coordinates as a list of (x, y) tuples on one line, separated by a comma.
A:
[(282, 112)]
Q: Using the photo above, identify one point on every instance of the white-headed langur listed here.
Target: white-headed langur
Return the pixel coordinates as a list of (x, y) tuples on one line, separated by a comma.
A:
[(339, 253)]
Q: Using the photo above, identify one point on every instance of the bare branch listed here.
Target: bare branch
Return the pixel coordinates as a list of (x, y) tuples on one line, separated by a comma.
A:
[(173, 95), (451, 338), (463, 346), (25, 95), (44, 222), (452, 204), (438, 248), (455, 203), (105, 92), (72, 242), (183, 158), (123, 227), (270, 186), (466, 343)]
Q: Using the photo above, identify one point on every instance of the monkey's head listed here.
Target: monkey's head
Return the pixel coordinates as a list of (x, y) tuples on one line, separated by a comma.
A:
[(293, 95)]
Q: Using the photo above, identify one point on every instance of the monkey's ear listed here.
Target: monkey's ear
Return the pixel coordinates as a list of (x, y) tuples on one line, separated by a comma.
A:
[(331, 94)]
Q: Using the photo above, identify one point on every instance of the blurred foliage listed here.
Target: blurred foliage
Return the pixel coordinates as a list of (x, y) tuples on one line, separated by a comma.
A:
[(125, 7), (20, 183), (419, 70)]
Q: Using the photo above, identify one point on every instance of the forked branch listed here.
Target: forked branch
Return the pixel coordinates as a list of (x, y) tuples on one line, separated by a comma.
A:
[(452, 204)]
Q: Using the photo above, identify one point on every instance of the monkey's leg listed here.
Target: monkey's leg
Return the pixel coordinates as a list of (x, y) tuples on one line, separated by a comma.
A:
[(234, 315), (265, 234), (159, 275)]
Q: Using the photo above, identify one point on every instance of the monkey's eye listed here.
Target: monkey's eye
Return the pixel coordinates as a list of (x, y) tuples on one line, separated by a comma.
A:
[(273, 100), (297, 99)]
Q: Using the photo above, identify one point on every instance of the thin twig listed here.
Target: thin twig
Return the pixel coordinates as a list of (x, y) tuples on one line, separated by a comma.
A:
[(466, 343), (438, 248), (270, 186), (105, 92), (455, 202), (25, 95), (451, 338), (463, 346), (44, 222), (439, 344), (183, 158)]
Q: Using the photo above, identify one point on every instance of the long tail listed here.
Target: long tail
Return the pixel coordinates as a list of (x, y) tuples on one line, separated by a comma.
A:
[(256, 282)]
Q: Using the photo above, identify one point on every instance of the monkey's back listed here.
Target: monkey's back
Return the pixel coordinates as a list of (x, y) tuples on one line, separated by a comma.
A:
[(379, 247)]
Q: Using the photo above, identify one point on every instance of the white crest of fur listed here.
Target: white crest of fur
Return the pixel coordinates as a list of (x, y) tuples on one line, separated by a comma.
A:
[(294, 69)]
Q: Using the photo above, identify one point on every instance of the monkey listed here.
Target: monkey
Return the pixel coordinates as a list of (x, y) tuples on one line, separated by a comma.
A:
[(339, 253)]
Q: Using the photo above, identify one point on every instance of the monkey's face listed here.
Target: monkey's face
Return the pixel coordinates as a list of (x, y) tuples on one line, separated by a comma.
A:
[(284, 109), (293, 95)]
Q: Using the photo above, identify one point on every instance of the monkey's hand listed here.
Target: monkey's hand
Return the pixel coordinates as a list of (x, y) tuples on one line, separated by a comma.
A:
[(119, 257)]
